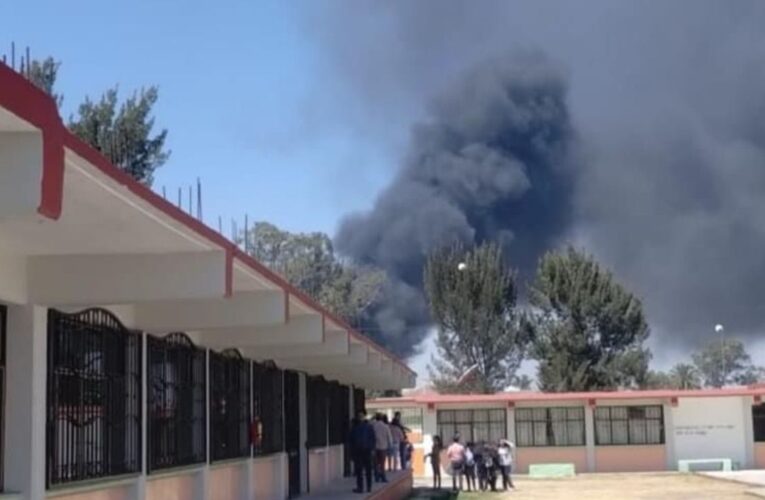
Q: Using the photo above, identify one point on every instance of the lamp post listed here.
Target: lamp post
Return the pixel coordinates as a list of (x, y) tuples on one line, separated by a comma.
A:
[(721, 330)]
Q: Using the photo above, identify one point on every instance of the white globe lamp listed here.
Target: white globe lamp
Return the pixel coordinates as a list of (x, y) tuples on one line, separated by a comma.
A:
[(461, 266), (719, 328)]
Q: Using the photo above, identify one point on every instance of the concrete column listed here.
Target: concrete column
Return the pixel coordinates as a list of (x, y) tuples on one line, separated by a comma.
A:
[(669, 436), (748, 401), (429, 429), (303, 434), (589, 437), (203, 476), (510, 424), (25, 405), (140, 486)]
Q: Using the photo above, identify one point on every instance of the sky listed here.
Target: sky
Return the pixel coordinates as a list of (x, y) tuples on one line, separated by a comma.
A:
[(300, 113), (238, 83)]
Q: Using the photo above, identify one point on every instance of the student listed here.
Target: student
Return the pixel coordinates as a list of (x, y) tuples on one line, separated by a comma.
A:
[(505, 454), (488, 468), (404, 430), (383, 441), (470, 467), (394, 454), (408, 451), (362, 445), (435, 461), (456, 455)]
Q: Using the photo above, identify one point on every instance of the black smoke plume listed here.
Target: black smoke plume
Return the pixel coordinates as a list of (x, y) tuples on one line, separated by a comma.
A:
[(490, 162)]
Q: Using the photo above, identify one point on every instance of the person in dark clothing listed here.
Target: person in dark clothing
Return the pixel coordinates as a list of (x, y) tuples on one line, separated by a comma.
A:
[(405, 430), (362, 445)]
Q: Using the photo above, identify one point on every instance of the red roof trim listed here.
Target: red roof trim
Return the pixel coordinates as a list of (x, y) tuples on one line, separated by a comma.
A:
[(33, 105), (584, 397)]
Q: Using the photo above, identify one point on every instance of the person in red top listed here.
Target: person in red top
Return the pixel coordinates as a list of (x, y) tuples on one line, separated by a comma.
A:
[(456, 456)]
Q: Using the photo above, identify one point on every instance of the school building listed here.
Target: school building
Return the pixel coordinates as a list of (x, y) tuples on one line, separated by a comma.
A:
[(623, 431), (145, 356)]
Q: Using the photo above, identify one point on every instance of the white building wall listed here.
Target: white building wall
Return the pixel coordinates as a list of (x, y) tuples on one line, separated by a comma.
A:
[(710, 427)]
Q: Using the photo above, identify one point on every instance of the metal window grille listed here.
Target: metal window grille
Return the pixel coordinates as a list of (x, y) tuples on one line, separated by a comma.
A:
[(229, 405), (619, 425), (477, 426), (2, 389), (177, 402), (317, 405), (339, 413), (94, 397), (758, 421), (359, 400), (549, 426), (268, 408)]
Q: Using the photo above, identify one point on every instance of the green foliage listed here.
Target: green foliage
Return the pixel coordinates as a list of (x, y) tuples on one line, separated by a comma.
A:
[(589, 330), (726, 362), (308, 261), (682, 376), (43, 74), (122, 132), (478, 319)]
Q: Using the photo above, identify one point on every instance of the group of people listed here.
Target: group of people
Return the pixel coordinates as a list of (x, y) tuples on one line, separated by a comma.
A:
[(378, 446), (485, 462)]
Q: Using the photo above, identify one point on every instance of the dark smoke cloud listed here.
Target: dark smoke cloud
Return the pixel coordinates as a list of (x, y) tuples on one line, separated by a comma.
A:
[(667, 101), (490, 162)]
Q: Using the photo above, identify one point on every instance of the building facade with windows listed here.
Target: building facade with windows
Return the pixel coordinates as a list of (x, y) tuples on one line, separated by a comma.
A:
[(623, 431), (145, 356)]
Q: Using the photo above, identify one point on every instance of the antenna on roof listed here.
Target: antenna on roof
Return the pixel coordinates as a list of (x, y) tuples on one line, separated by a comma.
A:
[(199, 198), (220, 224), (246, 233), (180, 193), (13, 55), (191, 202), (29, 64)]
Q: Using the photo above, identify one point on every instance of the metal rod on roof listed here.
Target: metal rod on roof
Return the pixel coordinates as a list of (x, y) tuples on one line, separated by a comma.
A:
[(220, 224), (13, 55), (29, 64), (246, 233), (199, 198), (191, 202), (180, 193), (164, 192)]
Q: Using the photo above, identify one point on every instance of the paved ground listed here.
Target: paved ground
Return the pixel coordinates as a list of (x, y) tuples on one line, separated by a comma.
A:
[(667, 486)]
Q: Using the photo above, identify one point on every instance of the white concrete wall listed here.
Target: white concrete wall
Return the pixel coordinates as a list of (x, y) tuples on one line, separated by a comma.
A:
[(712, 427), (13, 278), (21, 168)]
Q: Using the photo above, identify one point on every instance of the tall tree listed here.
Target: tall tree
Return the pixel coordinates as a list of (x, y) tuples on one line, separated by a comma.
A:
[(685, 376), (308, 261), (589, 330), (473, 300), (726, 362), (121, 131)]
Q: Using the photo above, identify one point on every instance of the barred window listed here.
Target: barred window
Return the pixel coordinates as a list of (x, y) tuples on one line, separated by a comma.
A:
[(411, 418), (549, 426), (359, 401), (339, 413), (478, 426), (616, 425), (229, 405), (317, 403), (94, 397), (758, 421), (177, 402), (268, 408)]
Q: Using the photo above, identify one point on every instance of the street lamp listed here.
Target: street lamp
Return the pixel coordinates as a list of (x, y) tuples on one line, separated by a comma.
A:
[(461, 266), (721, 330)]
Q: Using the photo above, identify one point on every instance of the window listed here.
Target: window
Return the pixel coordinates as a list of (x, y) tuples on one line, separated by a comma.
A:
[(758, 421), (229, 405), (487, 425), (177, 402), (268, 408), (629, 425), (410, 417), (317, 403), (339, 413), (549, 426), (94, 397)]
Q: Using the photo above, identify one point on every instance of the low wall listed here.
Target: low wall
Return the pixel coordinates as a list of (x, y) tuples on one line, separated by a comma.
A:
[(270, 476), (117, 493), (228, 482), (576, 455), (180, 487), (638, 458)]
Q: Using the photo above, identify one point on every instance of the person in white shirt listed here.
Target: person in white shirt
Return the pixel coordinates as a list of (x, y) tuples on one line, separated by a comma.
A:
[(505, 453), (383, 441)]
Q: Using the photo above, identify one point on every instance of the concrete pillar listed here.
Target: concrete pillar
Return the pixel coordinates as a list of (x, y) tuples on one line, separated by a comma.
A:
[(303, 434), (669, 436), (589, 437), (510, 424), (429, 429), (25, 405), (748, 401), (140, 485)]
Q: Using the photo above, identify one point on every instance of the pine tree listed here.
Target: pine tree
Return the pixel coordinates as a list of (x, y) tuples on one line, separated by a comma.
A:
[(589, 330)]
